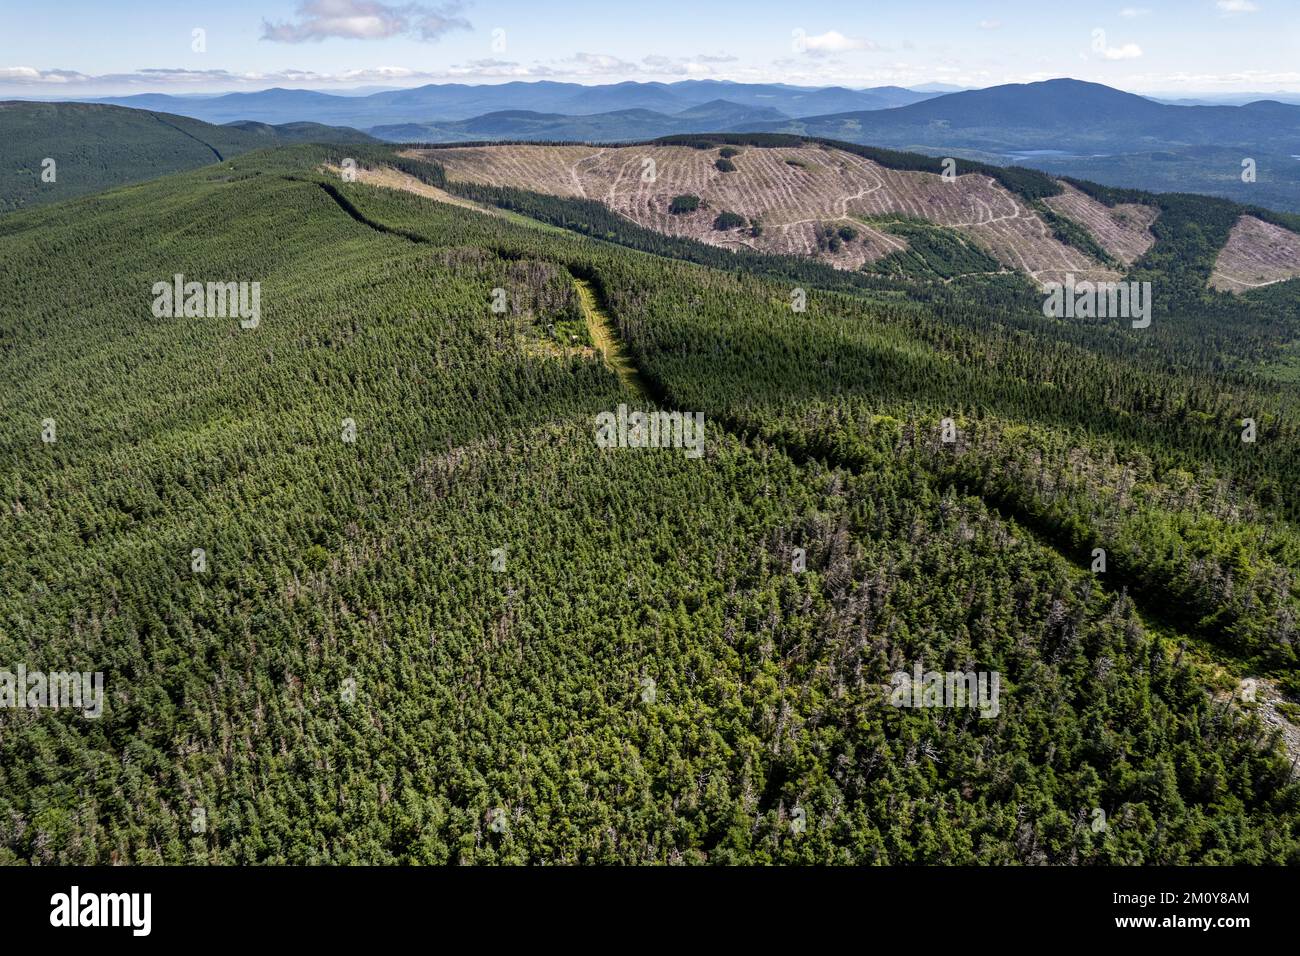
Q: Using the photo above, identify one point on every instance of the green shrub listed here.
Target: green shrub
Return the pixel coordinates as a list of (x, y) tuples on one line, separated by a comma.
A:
[(683, 204), (729, 220)]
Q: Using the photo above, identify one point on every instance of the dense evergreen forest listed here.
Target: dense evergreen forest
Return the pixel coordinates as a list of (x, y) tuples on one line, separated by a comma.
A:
[(50, 152), (469, 634)]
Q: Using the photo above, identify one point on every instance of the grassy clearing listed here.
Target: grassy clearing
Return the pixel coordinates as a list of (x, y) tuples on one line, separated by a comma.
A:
[(601, 327)]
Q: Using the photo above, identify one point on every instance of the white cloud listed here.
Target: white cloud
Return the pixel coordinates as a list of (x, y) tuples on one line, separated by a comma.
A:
[(363, 20), (1233, 7), (702, 65), (580, 66), (22, 74), (1244, 81), (990, 24), (489, 70), (1103, 48), (832, 41), (598, 64), (1128, 51), (154, 79), (800, 71)]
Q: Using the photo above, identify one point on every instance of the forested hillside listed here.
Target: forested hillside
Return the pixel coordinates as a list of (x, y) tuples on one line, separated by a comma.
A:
[(467, 633), (55, 151)]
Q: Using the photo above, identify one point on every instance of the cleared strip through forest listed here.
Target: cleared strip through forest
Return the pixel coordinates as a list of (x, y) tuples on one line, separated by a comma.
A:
[(607, 339), (346, 205), (215, 152)]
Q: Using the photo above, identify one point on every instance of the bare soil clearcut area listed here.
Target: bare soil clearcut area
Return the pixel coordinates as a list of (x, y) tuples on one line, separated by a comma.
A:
[(1123, 230), (1256, 254), (793, 192)]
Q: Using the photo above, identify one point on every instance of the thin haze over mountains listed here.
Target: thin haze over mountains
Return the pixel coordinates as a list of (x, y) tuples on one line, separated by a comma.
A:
[(1187, 48), (458, 101), (986, 81)]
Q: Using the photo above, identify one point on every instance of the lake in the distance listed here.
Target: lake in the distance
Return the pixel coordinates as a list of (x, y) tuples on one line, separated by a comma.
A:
[(1023, 154)]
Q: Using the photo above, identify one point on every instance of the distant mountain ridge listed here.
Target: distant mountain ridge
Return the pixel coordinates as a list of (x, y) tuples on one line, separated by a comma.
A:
[(616, 125), (445, 102), (1068, 127), (1059, 114), (1089, 131)]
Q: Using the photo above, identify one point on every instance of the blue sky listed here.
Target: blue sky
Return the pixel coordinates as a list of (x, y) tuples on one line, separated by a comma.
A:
[(69, 48)]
